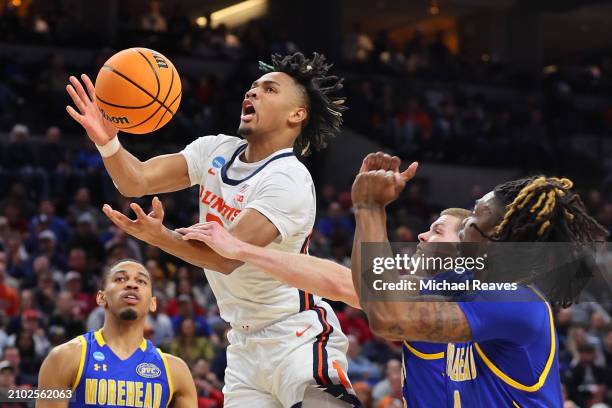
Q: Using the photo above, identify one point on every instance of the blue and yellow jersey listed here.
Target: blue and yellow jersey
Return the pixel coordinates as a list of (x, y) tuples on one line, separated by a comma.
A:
[(423, 383), (104, 380), (424, 364), (512, 360)]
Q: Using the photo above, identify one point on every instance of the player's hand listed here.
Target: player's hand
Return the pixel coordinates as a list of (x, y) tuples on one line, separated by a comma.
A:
[(380, 161), (380, 187), (215, 236), (99, 130), (146, 227)]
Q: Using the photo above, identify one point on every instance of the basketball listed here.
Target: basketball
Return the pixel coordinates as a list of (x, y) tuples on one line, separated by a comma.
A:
[(138, 90)]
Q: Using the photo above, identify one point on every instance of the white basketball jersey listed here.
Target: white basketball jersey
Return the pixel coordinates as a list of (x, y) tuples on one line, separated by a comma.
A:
[(280, 188)]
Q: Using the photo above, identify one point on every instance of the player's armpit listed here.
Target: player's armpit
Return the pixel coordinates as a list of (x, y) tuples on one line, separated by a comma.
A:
[(185, 394), (59, 371), (438, 322)]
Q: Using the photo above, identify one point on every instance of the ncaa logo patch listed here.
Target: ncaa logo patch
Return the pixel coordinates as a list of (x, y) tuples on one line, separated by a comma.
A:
[(99, 356), (148, 370), (218, 162)]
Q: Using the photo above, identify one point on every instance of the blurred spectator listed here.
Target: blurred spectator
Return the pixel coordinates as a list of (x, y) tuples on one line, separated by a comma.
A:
[(353, 323), (86, 237), (154, 20), (608, 346), (57, 336), (219, 362), (30, 360), (122, 246), (586, 382), (45, 292), (186, 310), (18, 201), (47, 220), (7, 375), (84, 302), (208, 385), (381, 350), (81, 205), (364, 393), (384, 387), (335, 221), (13, 356), (190, 347), (30, 329), (163, 332), (47, 245), (360, 368), (358, 45), (68, 315), (16, 255), (9, 301), (394, 398), (95, 320)]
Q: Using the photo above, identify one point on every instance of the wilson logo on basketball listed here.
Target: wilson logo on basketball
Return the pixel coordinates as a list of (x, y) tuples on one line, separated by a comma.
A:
[(161, 62), (114, 119), (148, 370)]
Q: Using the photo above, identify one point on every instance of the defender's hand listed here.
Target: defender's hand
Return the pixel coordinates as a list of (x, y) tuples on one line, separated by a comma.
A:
[(380, 161), (380, 187), (99, 130), (146, 227), (215, 236)]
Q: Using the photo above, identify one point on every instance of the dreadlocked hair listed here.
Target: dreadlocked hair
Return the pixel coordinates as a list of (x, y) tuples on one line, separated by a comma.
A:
[(324, 106), (545, 209)]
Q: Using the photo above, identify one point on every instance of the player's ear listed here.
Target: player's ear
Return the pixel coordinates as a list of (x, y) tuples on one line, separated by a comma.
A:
[(101, 298), (298, 116), (153, 304)]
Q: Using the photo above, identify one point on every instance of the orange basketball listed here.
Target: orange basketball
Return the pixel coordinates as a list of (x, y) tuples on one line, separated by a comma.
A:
[(139, 90)]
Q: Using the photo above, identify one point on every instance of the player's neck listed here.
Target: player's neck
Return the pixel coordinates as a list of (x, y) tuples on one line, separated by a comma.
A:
[(123, 337), (263, 147)]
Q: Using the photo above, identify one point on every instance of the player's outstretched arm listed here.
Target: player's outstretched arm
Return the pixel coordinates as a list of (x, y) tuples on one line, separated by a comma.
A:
[(132, 177), (185, 394), (424, 321), (59, 371), (315, 275), (250, 226)]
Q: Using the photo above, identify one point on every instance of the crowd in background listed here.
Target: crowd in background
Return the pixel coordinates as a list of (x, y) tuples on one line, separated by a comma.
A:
[(412, 97), (55, 241)]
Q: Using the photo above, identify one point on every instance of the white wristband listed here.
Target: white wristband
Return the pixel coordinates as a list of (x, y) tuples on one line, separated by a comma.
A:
[(109, 148)]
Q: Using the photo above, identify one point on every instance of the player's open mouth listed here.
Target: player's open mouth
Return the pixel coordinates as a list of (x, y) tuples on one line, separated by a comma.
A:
[(248, 111), (131, 298)]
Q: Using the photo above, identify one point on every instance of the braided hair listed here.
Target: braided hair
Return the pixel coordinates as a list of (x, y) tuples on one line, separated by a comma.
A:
[(545, 209), (320, 90)]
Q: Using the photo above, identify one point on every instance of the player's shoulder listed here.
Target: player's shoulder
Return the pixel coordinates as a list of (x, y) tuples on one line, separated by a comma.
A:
[(215, 142), (178, 368), (289, 168), (68, 354)]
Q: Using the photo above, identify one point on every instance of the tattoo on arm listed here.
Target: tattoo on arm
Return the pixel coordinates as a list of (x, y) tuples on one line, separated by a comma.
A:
[(432, 321)]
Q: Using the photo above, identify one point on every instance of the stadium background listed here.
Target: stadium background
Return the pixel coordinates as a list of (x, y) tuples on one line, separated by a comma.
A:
[(478, 91)]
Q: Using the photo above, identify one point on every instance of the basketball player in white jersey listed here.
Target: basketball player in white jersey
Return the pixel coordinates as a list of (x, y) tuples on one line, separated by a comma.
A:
[(286, 347)]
